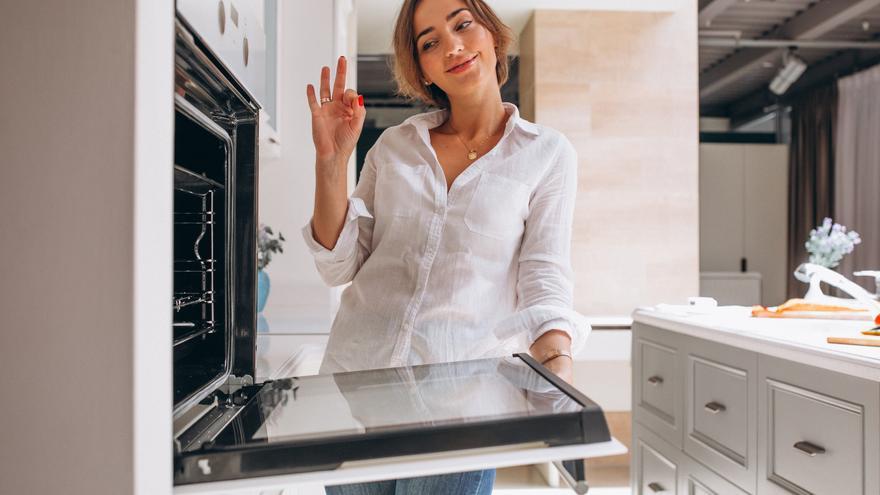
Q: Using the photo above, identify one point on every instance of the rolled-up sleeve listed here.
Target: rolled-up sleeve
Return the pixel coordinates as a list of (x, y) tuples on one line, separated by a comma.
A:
[(339, 265), (545, 282)]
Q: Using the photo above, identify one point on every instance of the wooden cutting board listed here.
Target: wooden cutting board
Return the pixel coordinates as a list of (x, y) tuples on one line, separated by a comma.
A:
[(855, 341)]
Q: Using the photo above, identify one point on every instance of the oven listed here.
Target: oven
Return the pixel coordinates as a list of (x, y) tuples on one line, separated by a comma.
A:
[(226, 426)]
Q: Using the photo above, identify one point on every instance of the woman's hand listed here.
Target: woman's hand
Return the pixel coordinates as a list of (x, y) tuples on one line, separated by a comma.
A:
[(336, 125), (550, 343)]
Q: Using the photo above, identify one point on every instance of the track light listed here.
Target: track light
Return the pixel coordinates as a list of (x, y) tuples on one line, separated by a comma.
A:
[(791, 70)]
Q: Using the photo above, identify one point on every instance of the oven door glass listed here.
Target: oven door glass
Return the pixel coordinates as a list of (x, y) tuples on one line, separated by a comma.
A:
[(318, 422)]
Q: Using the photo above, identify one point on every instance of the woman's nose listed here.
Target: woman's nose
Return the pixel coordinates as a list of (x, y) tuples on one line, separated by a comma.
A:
[(455, 46)]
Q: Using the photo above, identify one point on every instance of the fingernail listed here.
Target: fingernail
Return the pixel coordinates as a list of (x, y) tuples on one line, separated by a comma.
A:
[(361, 100)]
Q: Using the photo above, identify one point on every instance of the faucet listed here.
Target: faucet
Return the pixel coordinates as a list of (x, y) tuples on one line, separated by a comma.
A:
[(876, 275)]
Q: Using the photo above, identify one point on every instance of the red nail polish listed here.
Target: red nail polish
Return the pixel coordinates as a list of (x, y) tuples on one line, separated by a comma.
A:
[(361, 100)]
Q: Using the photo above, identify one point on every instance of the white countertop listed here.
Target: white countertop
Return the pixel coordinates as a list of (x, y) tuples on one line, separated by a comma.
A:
[(802, 340)]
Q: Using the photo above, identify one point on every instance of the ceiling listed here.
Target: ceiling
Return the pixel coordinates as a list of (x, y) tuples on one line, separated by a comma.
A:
[(733, 81)]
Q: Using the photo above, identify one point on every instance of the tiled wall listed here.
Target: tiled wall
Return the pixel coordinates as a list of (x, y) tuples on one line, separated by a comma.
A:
[(623, 87)]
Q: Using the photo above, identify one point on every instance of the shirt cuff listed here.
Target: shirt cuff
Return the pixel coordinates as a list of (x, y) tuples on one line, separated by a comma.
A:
[(537, 320), (347, 242)]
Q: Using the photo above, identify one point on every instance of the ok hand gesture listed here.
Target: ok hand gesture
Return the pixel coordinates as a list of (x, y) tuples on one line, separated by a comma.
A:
[(337, 123)]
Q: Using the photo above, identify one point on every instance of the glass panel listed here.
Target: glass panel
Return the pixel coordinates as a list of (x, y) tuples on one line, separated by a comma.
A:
[(399, 398)]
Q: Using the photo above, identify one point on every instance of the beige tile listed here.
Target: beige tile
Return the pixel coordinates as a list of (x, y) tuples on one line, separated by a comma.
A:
[(622, 86)]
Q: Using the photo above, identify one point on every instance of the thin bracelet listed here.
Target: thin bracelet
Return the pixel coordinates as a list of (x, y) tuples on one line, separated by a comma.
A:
[(556, 355)]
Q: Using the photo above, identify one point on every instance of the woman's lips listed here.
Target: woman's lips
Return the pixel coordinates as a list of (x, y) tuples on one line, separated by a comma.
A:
[(464, 66)]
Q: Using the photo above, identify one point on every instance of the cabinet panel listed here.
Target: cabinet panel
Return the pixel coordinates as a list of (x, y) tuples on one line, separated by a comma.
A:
[(722, 212), (720, 409), (655, 464), (766, 217), (657, 383), (818, 431), (698, 480)]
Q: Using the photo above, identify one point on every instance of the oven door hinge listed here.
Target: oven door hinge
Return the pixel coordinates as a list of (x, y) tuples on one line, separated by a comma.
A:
[(235, 383)]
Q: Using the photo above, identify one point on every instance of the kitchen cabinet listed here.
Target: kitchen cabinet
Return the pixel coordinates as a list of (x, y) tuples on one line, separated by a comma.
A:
[(743, 208), (768, 406)]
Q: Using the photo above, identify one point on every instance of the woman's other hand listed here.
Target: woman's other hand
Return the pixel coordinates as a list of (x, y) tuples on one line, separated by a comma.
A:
[(337, 124), (549, 344)]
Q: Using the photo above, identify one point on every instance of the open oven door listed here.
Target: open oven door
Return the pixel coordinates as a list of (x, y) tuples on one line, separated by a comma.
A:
[(321, 422)]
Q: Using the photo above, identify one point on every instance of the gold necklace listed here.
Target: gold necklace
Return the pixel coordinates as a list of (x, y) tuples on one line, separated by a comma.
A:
[(472, 153)]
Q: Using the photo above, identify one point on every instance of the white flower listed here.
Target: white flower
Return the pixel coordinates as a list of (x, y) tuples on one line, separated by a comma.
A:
[(830, 242)]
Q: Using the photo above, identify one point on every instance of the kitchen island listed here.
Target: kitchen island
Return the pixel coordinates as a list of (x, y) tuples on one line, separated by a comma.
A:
[(727, 403)]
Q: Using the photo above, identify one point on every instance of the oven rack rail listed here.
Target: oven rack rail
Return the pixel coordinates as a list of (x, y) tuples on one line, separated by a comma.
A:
[(195, 330)]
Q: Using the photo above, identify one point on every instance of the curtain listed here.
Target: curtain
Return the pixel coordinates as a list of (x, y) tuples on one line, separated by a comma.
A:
[(857, 168), (811, 173)]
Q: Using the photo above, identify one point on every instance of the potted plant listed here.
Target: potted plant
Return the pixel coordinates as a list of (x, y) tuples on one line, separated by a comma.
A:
[(267, 244)]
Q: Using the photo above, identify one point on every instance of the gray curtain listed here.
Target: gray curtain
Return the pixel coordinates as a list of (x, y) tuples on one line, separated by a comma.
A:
[(810, 173), (857, 169)]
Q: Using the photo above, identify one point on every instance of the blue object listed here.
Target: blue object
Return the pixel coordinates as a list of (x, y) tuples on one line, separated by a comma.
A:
[(263, 286)]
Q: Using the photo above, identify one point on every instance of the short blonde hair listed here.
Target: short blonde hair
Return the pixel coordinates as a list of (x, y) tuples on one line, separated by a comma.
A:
[(406, 69)]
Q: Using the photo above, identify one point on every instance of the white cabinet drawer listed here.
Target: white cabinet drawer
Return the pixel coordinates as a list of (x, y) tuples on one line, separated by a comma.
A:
[(819, 431), (720, 410), (655, 464), (658, 378), (699, 480), (657, 388)]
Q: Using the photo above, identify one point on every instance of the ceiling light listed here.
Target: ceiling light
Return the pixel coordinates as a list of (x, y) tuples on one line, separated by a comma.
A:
[(791, 70)]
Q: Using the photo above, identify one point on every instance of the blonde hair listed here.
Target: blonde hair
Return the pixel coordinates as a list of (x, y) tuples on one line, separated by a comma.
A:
[(406, 69)]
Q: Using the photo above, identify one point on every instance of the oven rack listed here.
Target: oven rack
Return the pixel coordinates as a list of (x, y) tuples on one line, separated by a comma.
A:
[(186, 180), (184, 299), (194, 266), (195, 330)]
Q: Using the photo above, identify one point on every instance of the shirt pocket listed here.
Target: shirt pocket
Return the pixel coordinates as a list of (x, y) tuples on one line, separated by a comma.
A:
[(400, 190), (498, 207)]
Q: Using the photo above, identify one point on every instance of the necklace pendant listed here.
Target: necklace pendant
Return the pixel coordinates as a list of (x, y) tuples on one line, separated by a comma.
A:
[(472, 155)]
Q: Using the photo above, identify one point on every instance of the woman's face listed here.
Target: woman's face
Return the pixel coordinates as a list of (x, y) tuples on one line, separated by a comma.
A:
[(447, 36)]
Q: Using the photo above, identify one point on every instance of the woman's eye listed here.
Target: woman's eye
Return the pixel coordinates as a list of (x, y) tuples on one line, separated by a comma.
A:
[(430, 44)]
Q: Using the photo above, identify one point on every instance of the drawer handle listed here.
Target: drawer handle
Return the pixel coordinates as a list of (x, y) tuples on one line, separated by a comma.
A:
[(656, 380), (714, 407), (810, 449), (656, 487)]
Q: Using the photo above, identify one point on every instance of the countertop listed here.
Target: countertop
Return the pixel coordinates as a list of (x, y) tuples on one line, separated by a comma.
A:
[(802, 340)]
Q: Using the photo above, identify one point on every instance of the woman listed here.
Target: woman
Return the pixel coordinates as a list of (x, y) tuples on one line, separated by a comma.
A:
[(456, 238)]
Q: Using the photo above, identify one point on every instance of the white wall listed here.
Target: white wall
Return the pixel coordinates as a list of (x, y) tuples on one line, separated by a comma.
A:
[(85, 256), (312, 37)]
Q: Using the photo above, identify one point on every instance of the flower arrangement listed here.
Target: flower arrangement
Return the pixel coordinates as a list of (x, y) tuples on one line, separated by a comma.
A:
[(830, 242), (268, 243)]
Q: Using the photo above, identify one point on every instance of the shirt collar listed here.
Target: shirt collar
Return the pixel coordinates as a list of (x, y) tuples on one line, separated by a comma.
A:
[(428, 120)]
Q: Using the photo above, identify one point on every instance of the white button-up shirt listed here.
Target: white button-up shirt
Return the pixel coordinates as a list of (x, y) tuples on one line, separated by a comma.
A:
[(482, 271)]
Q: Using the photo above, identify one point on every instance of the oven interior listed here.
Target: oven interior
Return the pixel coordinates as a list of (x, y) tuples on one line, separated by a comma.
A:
[(215, 227), (200, 255)]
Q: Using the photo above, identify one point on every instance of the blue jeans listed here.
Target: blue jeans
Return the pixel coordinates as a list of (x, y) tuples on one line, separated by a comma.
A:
[(469, 483)]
